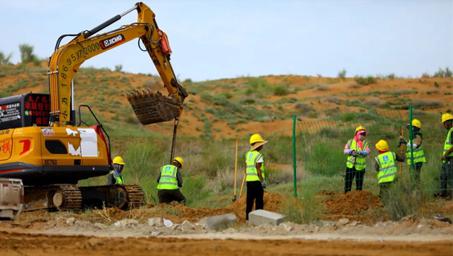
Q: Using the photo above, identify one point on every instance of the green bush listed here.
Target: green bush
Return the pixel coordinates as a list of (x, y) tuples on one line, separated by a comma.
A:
[(342, 74), (365, 80), (281, 91)]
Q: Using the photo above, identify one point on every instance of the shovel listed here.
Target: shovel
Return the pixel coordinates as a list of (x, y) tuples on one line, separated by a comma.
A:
[(235, 171)]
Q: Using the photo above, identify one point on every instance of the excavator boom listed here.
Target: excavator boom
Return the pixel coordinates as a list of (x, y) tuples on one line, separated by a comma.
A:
[(66, 60)]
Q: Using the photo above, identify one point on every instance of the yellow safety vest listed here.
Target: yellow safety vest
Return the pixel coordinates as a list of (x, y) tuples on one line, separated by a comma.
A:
[(358, 161), (419, 155), (118, 178), (447, 144), (168, 179), (250, 160), (387, 167)]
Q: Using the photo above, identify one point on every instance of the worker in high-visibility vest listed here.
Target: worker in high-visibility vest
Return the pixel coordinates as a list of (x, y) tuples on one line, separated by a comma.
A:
[(255, 176), (115, 177), (357, 150), (417, 149), (169, 182), (446, 174), (386, 168)]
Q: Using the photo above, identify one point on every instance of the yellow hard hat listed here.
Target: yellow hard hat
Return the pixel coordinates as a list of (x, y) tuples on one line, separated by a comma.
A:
[(416, 123), (382, 145), (360, 128), (255, 138), (446, 117), (118, 160), (179, 160)]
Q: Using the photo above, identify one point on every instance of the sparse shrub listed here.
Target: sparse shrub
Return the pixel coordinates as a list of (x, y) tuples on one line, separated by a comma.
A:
[(375, 102), (26, 54), (342, 74), (304, 109), (281, 91), (427, 104), (333, 99), (118, 68), (443, 73), (5, 59), (365, 80), (391, 76)]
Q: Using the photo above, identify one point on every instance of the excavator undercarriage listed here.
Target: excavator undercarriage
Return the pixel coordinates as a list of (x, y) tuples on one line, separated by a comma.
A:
[(72, 197)]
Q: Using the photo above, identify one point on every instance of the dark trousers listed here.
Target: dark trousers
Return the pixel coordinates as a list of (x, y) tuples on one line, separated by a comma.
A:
[(446, 179), (255, 192), (349, 177), (416, 176), (384, 191), (168, 196)]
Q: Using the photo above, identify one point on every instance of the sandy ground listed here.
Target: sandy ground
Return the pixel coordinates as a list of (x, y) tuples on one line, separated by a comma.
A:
[(344, 230), (38, 245)]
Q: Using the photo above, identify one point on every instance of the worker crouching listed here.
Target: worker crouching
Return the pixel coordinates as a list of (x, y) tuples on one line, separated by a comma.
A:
[(386, 168), (115, 177), (255, 174), (170, 181)]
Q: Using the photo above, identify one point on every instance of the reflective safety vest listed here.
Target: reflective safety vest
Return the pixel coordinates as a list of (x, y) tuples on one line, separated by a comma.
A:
[(168, 179), (387, 167), (250, 160), (447, 144), (358, 161), (118, 178), (419, 155)]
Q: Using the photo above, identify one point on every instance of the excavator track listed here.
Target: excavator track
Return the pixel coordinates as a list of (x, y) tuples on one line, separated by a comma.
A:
[(71, 198), (135, 195)]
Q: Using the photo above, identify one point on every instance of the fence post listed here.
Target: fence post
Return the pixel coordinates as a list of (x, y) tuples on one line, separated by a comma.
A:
[(294, 156)]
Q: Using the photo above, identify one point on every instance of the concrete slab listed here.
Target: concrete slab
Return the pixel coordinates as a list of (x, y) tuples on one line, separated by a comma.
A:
[(261, 217)]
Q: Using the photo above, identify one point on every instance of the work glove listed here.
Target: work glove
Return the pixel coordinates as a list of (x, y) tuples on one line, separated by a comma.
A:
[(363, 153), (263, 184)]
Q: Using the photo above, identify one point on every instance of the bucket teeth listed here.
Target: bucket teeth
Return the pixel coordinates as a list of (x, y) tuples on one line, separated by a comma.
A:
[(153, 107)]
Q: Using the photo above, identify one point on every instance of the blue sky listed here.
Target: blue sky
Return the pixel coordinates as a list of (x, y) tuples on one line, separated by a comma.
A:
[(219, 39)]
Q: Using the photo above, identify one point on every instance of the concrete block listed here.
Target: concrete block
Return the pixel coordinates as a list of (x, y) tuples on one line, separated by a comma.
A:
[(261, 217), (218, 222)]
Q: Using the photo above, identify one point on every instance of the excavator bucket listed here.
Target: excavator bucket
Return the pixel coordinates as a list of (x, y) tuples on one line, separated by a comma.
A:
[(153, 107)]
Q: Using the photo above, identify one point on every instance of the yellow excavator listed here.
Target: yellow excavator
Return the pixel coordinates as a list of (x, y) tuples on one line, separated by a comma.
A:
[(42, 142)]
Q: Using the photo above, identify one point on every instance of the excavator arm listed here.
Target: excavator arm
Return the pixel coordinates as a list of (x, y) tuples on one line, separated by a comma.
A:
[(66, 60)]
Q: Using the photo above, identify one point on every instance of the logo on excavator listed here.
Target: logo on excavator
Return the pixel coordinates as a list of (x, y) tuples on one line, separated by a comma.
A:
[(109, 42)]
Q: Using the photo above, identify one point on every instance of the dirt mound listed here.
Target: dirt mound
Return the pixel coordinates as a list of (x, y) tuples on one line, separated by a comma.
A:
[(177, 212), (272, 202), (356, 205)]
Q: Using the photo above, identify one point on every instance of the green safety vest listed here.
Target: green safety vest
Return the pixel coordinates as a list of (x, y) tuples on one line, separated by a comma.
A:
[(358, 161), (250, 160), (118, 178), (168, 179), (419, 155), (447, 144), (387, 167)]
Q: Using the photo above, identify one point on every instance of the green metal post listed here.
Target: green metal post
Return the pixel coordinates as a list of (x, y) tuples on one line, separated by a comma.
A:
[(411, 138), (294, 156)]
